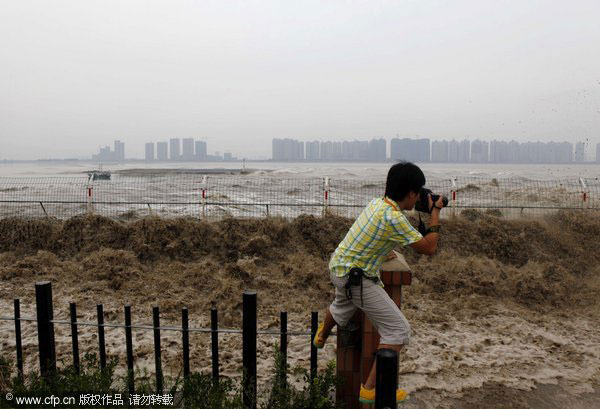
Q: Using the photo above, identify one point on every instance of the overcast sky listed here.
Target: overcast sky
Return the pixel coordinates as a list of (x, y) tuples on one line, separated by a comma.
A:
[(75, 75)]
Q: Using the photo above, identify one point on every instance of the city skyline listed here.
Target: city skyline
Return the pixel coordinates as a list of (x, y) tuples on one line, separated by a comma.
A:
[(414, 149), (246, 73), (173, 150), (438, 151)]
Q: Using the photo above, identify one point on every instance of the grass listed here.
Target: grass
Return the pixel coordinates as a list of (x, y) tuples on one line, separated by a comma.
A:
[(199, 391)]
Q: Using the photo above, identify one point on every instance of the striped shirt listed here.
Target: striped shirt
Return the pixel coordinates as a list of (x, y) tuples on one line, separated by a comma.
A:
[(378, 229)]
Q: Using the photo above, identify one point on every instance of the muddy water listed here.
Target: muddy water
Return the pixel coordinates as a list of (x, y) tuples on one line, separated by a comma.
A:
[(512, 303)]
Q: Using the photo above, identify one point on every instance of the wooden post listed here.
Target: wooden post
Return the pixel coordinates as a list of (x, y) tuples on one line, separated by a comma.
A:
[(354, 362), (45, 315), (249, 328)]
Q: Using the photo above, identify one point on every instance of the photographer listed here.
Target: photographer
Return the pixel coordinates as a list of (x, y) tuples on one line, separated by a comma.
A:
[(354, 266)]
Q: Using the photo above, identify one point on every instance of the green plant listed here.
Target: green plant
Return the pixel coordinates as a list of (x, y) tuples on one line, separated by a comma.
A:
[(317, 393)]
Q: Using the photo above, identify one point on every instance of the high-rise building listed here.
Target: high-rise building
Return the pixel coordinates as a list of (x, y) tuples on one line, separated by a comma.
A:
[(336, 150), (162, 151), (479, 151), (413, 150), (187, 149), (201, 151), (174, 149), (453, 149), (108, 155), (104, 155), (439, 151), (464, 151), (119, 150), (326, 150), (499, 152), (579, 152), (287, 149), (149, 151), (377, 149), (514, 148), (313, 150)]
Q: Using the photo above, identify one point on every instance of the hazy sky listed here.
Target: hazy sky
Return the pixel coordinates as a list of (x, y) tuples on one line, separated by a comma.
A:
[(75, 75)]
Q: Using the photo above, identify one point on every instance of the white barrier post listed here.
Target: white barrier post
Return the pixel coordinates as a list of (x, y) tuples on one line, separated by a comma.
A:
[(90, 191), (326, 196), (453, 201), (203, 196), (584, 193)]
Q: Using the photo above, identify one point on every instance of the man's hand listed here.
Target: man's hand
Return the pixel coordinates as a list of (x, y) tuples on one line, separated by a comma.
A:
[(439, 203), (390, 256)]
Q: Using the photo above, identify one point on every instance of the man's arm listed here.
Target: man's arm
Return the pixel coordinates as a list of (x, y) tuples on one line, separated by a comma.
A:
[(428, 244)]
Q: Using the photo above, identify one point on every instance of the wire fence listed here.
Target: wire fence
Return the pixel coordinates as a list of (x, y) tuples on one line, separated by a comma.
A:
[(45, 322), (214, 197)]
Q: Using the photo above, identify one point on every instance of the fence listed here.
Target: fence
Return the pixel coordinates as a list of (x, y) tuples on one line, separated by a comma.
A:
[(249, 332), (261, 195)]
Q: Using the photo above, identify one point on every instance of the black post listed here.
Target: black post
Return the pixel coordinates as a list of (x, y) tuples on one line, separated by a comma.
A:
[(74, 336), (314, 325), (186, 342), (129, 346), (157, 360), (18, 338), (386, 378), (214, 337), (45, 314), (283, 344), (101, 339), (249, 348)]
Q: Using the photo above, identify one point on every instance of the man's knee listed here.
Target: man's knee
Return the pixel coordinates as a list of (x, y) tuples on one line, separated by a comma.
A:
[(397, 333)]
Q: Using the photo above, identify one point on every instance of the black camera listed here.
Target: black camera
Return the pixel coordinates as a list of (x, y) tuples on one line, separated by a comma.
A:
[(422, 204)]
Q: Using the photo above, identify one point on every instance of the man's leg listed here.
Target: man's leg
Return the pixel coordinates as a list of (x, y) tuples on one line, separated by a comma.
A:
[(328, 324), (389, 321), (370, 383)]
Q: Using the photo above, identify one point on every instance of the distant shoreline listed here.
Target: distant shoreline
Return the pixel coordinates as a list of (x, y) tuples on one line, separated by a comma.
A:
[(185, 171), (129, 161)]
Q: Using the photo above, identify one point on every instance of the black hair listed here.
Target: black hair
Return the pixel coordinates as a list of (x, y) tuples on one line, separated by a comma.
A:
[(402, 178)]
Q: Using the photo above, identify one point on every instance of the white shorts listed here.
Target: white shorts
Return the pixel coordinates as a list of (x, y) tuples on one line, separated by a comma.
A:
[(381, 310)]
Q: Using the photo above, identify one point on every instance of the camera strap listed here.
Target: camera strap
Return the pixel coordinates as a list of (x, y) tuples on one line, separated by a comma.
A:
[(422, 228), (388, 201), (355, 278)]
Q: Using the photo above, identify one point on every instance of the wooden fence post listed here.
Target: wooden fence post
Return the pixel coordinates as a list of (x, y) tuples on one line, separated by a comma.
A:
[(45, 315)]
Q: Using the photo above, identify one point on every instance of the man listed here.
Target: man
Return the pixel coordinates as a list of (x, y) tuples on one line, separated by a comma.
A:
[(378, 229)]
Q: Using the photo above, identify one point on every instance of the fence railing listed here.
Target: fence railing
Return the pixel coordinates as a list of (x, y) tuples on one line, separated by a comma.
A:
[(260, 196), (47, 350)]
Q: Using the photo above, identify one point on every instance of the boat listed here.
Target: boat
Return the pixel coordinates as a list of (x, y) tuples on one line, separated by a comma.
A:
[(99, 175)]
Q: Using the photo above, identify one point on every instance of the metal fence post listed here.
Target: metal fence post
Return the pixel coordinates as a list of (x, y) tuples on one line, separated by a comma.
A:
[(314, 325), (129, 347), (101, 338), (18, 342), (283, 344), (185, 334), (157, 354), (74, 336), (249, 348), (214, 341), (386, 379), (45, 315)]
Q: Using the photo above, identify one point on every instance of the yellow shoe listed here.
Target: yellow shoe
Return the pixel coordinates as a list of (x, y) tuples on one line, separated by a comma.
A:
[(319, 341), (368, 395)]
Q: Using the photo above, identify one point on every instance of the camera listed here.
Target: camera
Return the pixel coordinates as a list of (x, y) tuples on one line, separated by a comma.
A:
[(422, 204)]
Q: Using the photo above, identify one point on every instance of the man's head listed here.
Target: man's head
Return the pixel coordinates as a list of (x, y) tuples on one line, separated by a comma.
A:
[(404, 181)]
